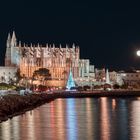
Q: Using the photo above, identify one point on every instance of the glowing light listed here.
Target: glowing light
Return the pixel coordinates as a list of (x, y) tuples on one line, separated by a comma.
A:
[(70, 82), (5, 130), (113, 104), (105, 125), (71, 119), (138, 53), (135, 122), (89, 117), (60, 121)]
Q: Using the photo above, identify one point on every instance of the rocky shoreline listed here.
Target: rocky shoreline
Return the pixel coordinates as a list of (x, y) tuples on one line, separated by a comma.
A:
[(13, 105)]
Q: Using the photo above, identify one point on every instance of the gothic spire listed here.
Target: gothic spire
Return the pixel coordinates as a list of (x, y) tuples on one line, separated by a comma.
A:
[(107, 77), (73, 45), (13, 40), (8, 40), (19, 44)]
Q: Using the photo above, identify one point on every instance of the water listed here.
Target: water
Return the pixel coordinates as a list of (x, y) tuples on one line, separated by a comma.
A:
[(77, 119)]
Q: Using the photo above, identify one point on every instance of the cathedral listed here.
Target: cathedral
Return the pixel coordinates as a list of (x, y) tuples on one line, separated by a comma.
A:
[(59, 60)]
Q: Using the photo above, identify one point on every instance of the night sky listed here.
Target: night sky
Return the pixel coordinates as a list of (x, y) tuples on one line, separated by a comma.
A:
[(108, 33)]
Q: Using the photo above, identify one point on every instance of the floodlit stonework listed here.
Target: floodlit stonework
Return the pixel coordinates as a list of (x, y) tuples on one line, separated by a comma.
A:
[(7, 74), (57, 59)]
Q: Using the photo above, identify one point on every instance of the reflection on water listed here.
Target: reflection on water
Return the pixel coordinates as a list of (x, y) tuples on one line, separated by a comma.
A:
[(135, 120), (105, 120), (71, 120), (77, 119)]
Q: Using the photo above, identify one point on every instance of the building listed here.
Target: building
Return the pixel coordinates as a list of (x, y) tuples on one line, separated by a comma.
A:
[(7, 74), (100, 75), (57, 59), (113, 77), (129, 78)]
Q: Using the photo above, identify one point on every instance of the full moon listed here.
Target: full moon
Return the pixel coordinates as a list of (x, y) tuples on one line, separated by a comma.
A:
[(138, 53)]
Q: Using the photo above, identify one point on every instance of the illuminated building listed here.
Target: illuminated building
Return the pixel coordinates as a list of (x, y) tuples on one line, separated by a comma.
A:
[(32, 57), (57, 59)]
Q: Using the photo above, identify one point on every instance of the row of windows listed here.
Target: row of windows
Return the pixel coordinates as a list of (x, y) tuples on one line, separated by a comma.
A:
[(132, 75), (8, 73)]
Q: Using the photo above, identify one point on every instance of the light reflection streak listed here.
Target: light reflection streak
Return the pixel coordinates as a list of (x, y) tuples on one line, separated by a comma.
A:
[(71, 120), (23, 123), (37, 121), (135, 122), (52, 119), (113, 104), (10, 129), (16, 128), (31, 126), (6, 130), (89, 117), (60, 119), (105, 135)]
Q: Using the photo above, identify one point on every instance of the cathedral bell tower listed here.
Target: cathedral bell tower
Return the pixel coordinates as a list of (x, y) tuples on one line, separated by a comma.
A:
[(11, 45), (13, 48), (8, 51)]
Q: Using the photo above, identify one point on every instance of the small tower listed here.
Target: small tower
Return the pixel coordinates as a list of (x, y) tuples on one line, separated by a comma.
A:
[(107, 77), (8, 51), (13, 49), (8, 42), (13, 40)]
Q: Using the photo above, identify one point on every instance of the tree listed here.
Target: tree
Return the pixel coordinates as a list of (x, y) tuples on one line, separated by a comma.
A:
[(116, 86), (18, 76), (79, 88), (42, 74), (86, 87), (107, 86)]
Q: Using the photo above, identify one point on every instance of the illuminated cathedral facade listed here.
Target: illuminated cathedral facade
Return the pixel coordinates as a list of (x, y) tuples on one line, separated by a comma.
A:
[(29, 58)]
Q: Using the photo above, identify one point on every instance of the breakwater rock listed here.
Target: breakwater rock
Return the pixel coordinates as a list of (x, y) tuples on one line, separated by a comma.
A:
[(12, 105)]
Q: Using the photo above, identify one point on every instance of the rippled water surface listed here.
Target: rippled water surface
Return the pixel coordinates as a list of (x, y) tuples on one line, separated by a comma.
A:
[(77, 119)]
